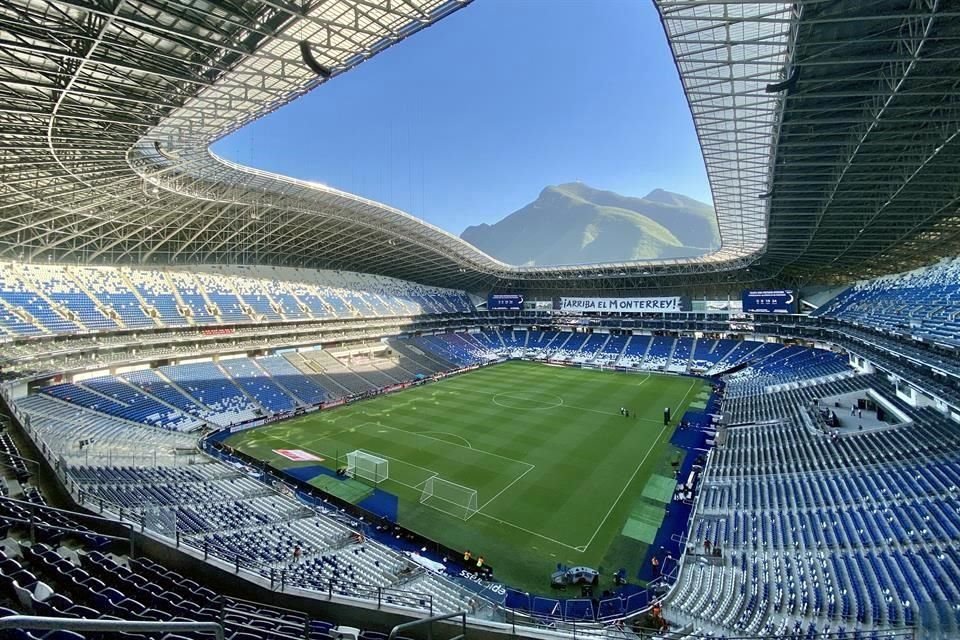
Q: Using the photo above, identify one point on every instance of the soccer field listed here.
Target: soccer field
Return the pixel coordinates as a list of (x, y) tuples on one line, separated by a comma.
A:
[(560, 475)]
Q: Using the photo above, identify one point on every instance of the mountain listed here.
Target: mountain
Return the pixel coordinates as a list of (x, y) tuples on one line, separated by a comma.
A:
[(577, 224)]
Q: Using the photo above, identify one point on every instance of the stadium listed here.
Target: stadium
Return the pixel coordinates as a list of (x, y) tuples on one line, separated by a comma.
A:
[(241, 405)]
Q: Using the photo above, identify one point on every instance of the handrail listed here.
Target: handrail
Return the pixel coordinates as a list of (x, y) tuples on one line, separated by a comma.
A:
[(272, 607), (54, 527), (9, 466), (429, 623), (44, 623), (19, 457), (76, 514), (48, 507), (34, 507)]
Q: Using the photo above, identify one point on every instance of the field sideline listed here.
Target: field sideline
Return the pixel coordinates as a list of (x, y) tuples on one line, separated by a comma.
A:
[(558, 471)]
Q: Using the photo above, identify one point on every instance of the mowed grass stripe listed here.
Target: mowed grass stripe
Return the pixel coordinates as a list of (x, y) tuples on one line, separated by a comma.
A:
[(572, 483), (483, 429)]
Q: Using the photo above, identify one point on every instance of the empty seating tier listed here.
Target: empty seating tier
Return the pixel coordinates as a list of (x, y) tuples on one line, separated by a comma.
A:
[(57, 299), (851, 533), (923, 303)]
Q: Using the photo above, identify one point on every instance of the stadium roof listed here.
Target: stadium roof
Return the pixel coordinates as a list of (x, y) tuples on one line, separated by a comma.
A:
[(827, 128), (865, 177)]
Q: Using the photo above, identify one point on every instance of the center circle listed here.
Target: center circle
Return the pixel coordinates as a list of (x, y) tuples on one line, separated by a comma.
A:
[(528, 401)]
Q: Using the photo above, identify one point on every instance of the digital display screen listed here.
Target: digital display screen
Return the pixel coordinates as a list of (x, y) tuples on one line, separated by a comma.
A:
[(770, 301), (504, 302)]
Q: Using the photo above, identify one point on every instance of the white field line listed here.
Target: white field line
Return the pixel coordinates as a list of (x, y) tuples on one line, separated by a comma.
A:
[(260, 432), (562, 404), (607, 413), (419, 487), (507, 394), (446, 442), (684, 398), (530, 468), (533, 533), (505, 523), (444, 433), (515, 481), (641, 383), (636, 471), (436, 508), (328, 456)]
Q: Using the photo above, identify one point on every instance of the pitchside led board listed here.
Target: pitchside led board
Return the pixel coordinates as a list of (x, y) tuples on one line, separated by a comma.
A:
[(770, 301), (504, 302)]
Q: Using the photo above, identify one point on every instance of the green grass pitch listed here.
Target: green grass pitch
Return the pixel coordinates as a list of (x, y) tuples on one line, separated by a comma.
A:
[(560, 475)]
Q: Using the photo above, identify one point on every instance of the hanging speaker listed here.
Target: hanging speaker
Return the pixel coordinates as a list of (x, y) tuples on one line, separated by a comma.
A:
[(787, 85), (307, 54)]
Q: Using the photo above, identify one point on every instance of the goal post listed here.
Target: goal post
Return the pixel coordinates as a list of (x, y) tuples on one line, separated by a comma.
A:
[(361, 464), (449, 497)]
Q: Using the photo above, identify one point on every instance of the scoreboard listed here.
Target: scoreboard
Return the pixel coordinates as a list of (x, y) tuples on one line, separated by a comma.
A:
[(504, 302), (770, 301)]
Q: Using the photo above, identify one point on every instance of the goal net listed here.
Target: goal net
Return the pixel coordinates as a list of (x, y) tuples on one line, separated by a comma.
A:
[(361, 464), (449, 497)]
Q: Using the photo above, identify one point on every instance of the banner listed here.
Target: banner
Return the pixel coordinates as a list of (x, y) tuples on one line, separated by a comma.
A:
[(622, 305)]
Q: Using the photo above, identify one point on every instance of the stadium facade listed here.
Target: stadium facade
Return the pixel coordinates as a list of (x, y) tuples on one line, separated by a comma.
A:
[(151, 291)]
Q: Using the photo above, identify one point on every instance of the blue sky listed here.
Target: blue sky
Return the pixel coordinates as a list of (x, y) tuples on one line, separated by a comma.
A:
[(469, 119)]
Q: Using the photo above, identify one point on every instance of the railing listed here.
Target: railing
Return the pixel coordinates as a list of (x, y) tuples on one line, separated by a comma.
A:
[(33, 524), (372, 593), (14, 456), (133, 520), (73, 624), (226, 609), (260, 573), (428, 623), (354, 520), (331, 588), (125, 515)]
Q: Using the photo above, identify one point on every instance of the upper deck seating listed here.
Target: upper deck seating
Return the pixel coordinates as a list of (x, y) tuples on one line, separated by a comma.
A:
[(108, 286), (923, 303), (42, 299)]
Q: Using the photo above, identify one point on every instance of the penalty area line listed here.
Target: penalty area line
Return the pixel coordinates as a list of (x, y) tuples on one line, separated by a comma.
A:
[(422, 434), (515, 481), (327, 456), (533, 533)]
